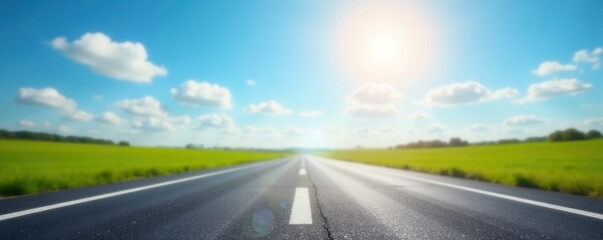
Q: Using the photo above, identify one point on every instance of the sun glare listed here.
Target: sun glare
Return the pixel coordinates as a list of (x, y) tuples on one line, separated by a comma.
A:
[(384, 48), (379, 43)]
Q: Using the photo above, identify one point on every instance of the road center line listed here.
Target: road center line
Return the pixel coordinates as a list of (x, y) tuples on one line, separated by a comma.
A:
[(498, 195), (302, 171), (113, 194), (301, 212)]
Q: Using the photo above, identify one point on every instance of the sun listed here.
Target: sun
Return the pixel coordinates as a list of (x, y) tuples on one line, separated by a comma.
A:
[(383, 43), (383, 48)]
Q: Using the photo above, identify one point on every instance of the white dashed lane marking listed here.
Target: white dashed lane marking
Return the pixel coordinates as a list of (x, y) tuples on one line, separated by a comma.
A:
[(301, 212)]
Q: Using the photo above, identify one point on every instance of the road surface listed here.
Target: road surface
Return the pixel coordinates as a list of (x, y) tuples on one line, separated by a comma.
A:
[(301, 197)]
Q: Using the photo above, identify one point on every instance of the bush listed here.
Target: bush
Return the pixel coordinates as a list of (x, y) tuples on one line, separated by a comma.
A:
[(556, 136), (123, 144), (593, 134), (536, 139), (571, 134), (508, 141), (525, 181), (423, 144), (457, 142)]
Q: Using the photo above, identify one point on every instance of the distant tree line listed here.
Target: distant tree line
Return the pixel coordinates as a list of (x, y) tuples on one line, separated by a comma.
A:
[(51, 137), (570, 134), (509, 141), (193, 146), (454, 142)]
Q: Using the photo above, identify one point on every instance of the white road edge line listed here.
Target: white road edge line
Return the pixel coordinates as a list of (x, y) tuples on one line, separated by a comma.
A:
[(301, 212), (517, 199), (113, 194), (503, 196), (302, 171)]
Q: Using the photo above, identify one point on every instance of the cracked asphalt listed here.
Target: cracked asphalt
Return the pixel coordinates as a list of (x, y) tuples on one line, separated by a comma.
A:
[(346, 201)]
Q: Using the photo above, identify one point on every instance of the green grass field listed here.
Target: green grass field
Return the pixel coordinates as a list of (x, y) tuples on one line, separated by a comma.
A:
[(572, 167), (31, 167)]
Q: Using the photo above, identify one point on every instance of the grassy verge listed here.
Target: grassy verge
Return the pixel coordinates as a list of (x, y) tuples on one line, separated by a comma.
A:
[(572, 167), (32, 167)]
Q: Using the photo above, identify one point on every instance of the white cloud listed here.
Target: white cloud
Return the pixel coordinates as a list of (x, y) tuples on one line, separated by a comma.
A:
[(268, 107), (130, 131), (81, 116), (259, 130), (551, 67), (365, 132), (151, 115), (553, 88), (310, 114), (387, 130), (26, 123), (419, 115), (504, 93), (479, 128), (333, 130), (154, 124), (110, 118), (376, 132), (294, 132), (203, 94), (161, 123), (63, 129), (251, 129), (251, 82), (593, 122), (179, 120), (216, 121), (583, 56), (523, 120), (374, 94), (145, 106), (48, 97), (465, 93), (372, 111), (436, 128), (373, 101), (120, 60), (98, 97)]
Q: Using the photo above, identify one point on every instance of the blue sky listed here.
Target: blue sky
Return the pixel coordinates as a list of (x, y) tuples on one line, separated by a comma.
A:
[(326, 74)]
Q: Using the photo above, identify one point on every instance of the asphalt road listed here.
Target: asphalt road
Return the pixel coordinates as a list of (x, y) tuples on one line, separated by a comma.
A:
[(301, 197)]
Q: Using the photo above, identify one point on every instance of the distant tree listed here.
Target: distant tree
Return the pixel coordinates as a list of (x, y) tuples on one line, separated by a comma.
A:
[(42, 136), (572, 134), (189, 146), (536, 139), (424, 144), (556, 136), (508, 141), (457, 142), (123, 143), (592, 134), (484, 143)]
